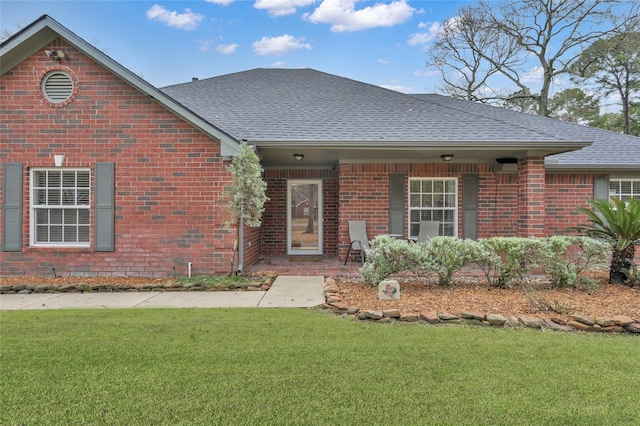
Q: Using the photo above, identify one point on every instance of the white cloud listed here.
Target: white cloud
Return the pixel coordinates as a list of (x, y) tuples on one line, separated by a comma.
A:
[(221, 2), (278, 64), (425, 73), (185, 21), (425, 37), (226, 49), (533, 76), (383, 61), (398, 88), (281, 7), (279, 45), (203, 45), (343, 16)]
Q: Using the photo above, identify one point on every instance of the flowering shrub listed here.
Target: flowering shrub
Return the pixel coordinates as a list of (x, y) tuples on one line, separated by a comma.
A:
[(506, 258), (448, 255), (565, 257), (389, 256)]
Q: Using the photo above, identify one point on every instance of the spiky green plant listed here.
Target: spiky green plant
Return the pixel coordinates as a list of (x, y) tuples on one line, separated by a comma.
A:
[(616, 222)]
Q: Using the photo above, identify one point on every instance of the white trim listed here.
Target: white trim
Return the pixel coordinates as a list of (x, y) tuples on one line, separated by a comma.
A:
[(455, 209), (33, 207), (635, 190)]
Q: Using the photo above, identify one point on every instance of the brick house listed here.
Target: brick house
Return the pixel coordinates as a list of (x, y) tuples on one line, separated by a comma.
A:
[(139, 188)]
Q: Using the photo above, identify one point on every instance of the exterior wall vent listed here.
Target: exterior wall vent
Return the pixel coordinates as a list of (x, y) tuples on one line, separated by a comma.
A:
[(57, 87)]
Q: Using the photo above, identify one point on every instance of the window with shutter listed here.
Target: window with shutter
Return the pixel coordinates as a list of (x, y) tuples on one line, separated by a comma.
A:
[(60, 207)]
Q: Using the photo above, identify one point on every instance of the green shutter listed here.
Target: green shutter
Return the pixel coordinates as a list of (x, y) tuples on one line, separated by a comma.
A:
[(601, 188), (396, 203), (12, 207), (104, 207), (470, 206)]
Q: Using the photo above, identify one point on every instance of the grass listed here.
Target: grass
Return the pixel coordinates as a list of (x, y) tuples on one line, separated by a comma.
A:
[(302, 367)]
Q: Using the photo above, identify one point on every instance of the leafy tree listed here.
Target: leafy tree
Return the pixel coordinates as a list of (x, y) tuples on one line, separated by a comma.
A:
[(575, 106), (246, 195), (521, 101), (613, 65), (616, 222), (513, 38)]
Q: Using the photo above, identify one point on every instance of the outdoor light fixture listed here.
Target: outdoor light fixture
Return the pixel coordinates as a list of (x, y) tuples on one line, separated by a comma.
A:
[(298, 157), (56, 55), (446, 157)]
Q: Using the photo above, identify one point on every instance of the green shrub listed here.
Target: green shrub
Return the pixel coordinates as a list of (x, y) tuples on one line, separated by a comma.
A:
[(505, 258), (565, 257), (389, 256), (447, 255)]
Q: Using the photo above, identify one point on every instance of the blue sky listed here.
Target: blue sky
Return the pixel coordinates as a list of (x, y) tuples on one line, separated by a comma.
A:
[(169, 42)]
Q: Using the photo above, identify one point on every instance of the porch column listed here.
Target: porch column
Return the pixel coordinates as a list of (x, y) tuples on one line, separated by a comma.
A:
[(531, 197)]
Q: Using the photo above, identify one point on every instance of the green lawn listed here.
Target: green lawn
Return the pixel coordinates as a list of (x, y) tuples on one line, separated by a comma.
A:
[(295, 366)]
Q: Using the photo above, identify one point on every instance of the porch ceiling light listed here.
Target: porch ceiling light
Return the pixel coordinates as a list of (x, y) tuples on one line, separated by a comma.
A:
[(298, 157), (446, 157)]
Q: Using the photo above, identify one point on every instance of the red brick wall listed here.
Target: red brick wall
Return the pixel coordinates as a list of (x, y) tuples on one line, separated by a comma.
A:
[(274, 223), (564, 193), (169, 177), (531, 197)]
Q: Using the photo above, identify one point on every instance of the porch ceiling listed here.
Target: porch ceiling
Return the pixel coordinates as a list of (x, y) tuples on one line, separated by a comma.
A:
[(329, 156)]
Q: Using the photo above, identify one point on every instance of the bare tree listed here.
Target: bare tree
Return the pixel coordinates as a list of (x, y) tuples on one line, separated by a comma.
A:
[(513, 38)]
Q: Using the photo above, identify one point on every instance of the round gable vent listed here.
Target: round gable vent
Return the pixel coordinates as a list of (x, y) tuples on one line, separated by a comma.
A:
[(57, 87)]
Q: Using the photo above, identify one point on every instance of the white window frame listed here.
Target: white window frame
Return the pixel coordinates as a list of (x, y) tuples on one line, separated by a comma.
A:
[(75, 193), (415, 225), (634, 193)]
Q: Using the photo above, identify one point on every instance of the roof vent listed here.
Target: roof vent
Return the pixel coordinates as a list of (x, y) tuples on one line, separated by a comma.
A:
[(194, 78), (57, 87)]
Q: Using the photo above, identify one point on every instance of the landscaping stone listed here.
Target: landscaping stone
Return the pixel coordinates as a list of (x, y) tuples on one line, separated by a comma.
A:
[(534, 322), (558, 327), (448, 317), (374, 315), (430, 317), (584, 319), (495, 319), (389, 290), (622, 320), (604, 321), (409, 318), (353, 310), (473, 315), (391, 313), (634, 328), (512, 322), (580, 325)]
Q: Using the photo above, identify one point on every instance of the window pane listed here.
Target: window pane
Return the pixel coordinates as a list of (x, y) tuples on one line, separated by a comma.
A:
[(414, 186), (426, 215), (438, 200), (448, 229), (448, 215), (83, 179), (68, 197), (625, 187), (83, 234), (40, 178), (55, 216), (427, 186), (450, 201), (54, 197), (40, 197), (427, 200), (42, 217), (69, 179), (438, 215), (70, 234), (42, 234), (83, 217), (54, 180), (415, 216), (83, 197), (70, 217), (414, 200), (438, 187), (55, 234), (450, 186)]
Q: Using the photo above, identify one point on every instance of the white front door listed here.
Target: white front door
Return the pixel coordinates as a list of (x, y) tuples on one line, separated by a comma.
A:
[(304, 217)]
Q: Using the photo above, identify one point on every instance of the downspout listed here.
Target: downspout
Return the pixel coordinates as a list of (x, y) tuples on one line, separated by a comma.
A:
[(240, 245)]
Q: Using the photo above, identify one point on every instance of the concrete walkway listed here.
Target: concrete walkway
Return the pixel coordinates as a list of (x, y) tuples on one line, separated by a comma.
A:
[(285, 292)]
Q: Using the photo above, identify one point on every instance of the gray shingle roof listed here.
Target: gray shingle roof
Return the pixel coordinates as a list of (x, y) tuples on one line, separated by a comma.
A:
[(609, 149), (297, 105)]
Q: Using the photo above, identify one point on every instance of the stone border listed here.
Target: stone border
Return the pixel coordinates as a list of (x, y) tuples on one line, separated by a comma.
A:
[(613, 324)]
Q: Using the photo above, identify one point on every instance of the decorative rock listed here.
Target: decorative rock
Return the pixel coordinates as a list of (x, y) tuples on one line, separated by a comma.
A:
[(634, 328), (533, 322), (330, 282), (612, 329), (495, 319), (448, 317), (391, 313), (374, 315), (41, 288), (25, 291), (473, 321), (333, 298), (558, 327), (604, 321), (333, 288), (430, 317), (341, 307), (584, 319), (473, 315), (389, 290), (622, 320), (579, 325), (409, 318), (512, 322), (251, 288), (353, 310)]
